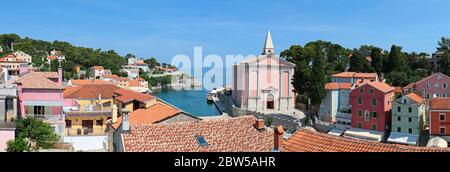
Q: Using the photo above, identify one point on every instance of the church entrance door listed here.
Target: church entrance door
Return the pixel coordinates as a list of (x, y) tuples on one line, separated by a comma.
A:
[(270, 102)]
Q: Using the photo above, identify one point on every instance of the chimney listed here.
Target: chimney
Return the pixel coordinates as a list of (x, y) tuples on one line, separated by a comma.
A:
[(23, 68), (114, 114), (60, 75), (260, 124), (126, 120), (278, 140)]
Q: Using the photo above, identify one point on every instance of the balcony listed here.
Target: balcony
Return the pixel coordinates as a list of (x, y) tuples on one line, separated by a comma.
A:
[(85, 131), (52, 119), (344, 116), (91, 112)]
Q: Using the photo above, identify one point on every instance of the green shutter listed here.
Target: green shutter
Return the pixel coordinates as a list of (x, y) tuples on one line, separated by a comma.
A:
[(30, 110), (48, 110)]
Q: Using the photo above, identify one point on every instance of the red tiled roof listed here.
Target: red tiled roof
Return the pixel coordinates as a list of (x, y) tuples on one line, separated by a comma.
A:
[(85, 82), (338, 86), (226, 135), (134, 83), (415, 97), (355, 75), (37, 80), (122, 79), (52, 57), (310, 141), (50, 75), (90, 91), (381, 86), (154, 114), (440, 104), (99, 68), (344, 75), (126, 96), (110, 76), (366, 75), (398, 90)]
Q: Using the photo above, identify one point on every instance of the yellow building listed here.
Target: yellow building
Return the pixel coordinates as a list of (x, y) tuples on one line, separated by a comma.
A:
[(88, 107), (132, 100)]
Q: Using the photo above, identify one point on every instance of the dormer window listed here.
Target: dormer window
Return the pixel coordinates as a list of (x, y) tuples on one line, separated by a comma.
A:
[(201, 141)]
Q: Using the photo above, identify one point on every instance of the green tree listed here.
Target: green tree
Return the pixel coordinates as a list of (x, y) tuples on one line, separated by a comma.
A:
[(302, 58), (359, 63), (396, 60), (398, 78), (444, 44), (316, 89), (37, 132), (377, 59), (444, 61), (17, 145)]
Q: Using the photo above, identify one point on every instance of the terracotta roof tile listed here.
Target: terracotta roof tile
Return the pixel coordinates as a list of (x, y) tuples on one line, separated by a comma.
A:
[(337, 86), (37, 80), (381, 86), (151, 115), (90, 91), (50, 75), (122, 79), (128, 95), (344, 75), (440, 104), (52, 57), (310, 141), (398, 90), (355, 75), (85, 82), (416, 97), (366, 75), (226, 135), (110, 76), (134, 83), (99, 68)]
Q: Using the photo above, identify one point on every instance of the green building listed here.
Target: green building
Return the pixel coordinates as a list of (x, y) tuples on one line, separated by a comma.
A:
[(408, 113)]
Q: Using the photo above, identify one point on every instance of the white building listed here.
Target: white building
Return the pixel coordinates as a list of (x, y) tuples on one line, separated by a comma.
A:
[(22, 56)]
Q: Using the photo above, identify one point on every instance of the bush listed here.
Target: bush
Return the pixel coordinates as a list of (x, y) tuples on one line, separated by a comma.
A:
[(17, 145), (269, 122)]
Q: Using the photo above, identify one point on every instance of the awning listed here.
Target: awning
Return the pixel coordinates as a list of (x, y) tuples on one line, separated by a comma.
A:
[(43, 103), (336, 132), (369, 135), (403, 138)]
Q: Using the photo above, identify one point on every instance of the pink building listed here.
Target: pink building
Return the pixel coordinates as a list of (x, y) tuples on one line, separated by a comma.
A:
[(436, 85), (264, 83), (41, 96), (371, 103), (7, 133)]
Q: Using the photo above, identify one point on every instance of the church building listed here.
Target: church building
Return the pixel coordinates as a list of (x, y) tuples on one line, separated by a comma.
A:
[(264, 83)]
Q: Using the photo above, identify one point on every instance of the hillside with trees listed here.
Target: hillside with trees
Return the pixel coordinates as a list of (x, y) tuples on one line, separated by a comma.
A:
[(85, 57)]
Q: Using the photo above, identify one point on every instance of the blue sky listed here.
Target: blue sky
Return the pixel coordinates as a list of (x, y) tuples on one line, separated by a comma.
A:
[(164, 28)]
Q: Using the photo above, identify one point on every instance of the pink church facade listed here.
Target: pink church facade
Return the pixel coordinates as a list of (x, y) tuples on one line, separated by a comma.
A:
[(263, 83)]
